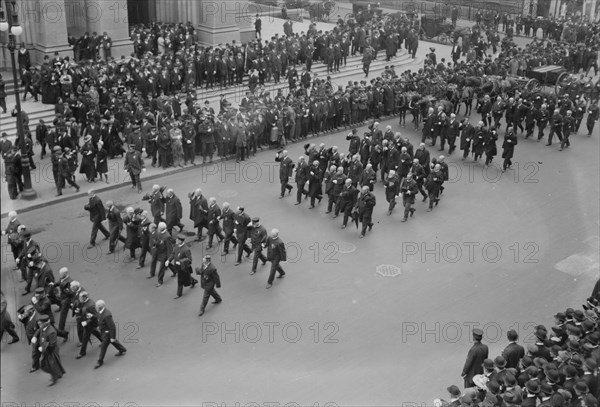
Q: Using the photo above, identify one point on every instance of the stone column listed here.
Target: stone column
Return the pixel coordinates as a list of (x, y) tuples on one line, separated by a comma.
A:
[(110, 16), (46, 23), (219, 21)]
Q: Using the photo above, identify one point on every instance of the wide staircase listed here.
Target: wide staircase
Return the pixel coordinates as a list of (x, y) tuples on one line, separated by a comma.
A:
[(233, 94)]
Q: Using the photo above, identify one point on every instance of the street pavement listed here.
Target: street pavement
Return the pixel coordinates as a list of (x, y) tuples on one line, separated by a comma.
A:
[(382, 321)]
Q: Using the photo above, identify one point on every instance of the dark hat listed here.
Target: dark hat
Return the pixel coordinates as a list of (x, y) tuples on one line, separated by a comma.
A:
[(553, 376), (588, 325), (488, 364), (181, 236), (561, 316), (500, 361), (43, 318), (576, 361), (478, 332), (493, 387), (557, 400), (39, 290), (27, 235), (137, 211), (532, 371), (4, 134), (453, 390), (574, 346), (541, 333), (569, 312), (432, 49), (591, 364), (539, 362), (570, 371), (255, 220), (593, 338), (581, 387), (546, 388), (532, 386), (579, 315), (509, 380), (509, 397)]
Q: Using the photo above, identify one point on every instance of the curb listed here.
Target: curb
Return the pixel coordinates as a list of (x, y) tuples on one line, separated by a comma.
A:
[(111, 187)]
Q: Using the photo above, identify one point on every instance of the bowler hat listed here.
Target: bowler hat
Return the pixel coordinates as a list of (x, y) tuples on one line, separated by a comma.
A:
[(532, 386), (500, 362)]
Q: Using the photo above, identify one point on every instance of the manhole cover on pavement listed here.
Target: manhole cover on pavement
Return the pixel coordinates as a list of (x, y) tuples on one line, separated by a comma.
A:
[(346, 247), (388, 270), (228, 193)]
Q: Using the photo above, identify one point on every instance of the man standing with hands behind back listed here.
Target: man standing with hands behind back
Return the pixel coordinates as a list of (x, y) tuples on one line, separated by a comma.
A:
[(477, 354)]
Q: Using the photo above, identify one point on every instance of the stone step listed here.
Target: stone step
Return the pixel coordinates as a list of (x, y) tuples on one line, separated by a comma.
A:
[(234, 95)]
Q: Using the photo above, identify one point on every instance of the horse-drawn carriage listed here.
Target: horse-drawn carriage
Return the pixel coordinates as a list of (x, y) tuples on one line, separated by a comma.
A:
[(435, 28)]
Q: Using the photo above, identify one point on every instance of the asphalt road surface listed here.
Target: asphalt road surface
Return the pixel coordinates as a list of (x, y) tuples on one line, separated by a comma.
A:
[(383, 320)]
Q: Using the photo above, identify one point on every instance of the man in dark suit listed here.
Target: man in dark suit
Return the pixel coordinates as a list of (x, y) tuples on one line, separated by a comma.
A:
[(301, 179), (157, 203), (285, 171), (115, 226), (145, 235), (173, 211), (258, 237), (198, 212), (161, 250), (241, 222), (88, 317), (477, 354), (208, 281), (97, 216), (46, 342), (275, 254), (513, 352), (364, 205), (180, 263), (108, 330), (212, 225), (228, 227), (347, 201)]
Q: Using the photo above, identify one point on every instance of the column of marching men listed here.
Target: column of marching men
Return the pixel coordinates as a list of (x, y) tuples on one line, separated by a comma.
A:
[(42, 329), (349, 178), (167, 249)]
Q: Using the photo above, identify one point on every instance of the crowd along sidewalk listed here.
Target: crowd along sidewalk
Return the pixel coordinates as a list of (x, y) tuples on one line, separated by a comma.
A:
[(43, 179)]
